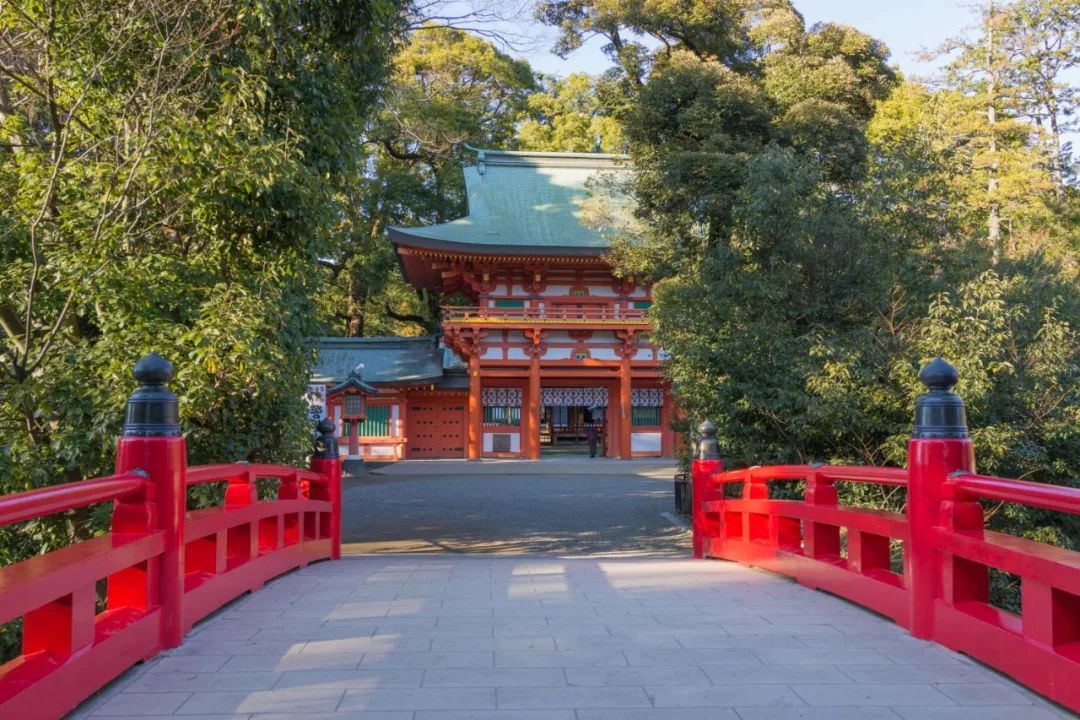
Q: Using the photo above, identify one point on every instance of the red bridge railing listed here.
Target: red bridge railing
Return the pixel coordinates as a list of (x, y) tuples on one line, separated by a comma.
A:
[(927, 568), (164, 568)]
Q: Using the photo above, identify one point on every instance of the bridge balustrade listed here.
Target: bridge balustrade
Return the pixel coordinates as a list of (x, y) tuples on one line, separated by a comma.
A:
[(927, 568), (163, 568)]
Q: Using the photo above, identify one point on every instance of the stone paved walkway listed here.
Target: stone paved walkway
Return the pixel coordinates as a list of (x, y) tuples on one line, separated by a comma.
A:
[(556, 506), (529, 638)]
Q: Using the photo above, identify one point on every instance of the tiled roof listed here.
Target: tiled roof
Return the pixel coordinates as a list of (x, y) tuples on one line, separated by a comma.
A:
[(525, 199), (385, 361)]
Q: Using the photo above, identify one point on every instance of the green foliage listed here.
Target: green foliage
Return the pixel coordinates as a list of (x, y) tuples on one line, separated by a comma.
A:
[(568, 116), (448, 89), (170, 171), (817, 231)]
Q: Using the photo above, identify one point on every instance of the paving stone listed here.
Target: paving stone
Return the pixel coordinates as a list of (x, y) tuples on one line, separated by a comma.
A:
[(380, 644), (495, 715), (375, 715), (832, 713), (351, 679), (827, 656), (293, 700), (660, 714), (419, 699), (982, 713), (631, 641), (560, 658), (639, 676), (282, 663), (427, 660), (951, 673), (495, 677), (549, 698), (862, 695), (986, 694), (775, 674), (136, 704), (701, 656), (501, 638), (187, 663), (728, 696), (491, 644), (180, 681)]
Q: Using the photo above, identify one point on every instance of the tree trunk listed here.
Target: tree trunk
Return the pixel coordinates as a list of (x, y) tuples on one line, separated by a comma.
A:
[(356, 303), (1057, 173), (994, 216)]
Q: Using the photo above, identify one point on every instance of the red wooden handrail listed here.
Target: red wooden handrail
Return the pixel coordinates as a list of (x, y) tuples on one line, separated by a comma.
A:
[(202, 474), (940, 590), (59, 498), (548, 313), (165, 568), (1020, 492)]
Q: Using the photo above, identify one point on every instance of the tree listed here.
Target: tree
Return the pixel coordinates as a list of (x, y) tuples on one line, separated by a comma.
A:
[(171, 171), (1040, 41), (448, 89), (816, 230), (567, 116)]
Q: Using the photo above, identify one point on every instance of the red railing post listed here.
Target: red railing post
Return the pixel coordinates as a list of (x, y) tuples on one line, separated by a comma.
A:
[(327, 462), (706, 463), (939, 446), (152, 442)]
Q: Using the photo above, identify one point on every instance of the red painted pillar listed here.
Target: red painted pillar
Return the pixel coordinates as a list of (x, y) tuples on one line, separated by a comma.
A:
[(327, 462), (476, 409), (706, 463), (152, 442), (532, 418), (939, 446), (625, 410)]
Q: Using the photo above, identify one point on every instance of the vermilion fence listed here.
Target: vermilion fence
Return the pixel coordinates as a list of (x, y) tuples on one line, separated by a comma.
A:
[(551, 313), (164, 568), (927, 568)]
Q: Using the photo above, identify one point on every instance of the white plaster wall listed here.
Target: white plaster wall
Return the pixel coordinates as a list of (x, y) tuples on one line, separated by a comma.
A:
[(557, 354), (515, 336), (601, 338), (639, 293), (556, 291), (489, 441), (493, 353), (381, 450), (643, 354), (603, 354), (645, 442), (559, 336), (516, 354), (501, 289), (601, 291)]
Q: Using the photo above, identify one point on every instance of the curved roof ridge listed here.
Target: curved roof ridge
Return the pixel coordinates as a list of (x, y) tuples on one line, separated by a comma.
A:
[(529, 158)]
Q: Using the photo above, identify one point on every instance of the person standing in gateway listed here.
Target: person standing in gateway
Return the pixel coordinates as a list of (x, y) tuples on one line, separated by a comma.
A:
[(592, 435)]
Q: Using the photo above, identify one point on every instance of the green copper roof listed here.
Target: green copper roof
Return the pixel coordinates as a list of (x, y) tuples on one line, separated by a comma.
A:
[(383, 361), (527, 200)]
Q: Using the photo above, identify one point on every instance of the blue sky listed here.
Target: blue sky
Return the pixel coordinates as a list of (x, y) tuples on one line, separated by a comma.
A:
[(906, 27)]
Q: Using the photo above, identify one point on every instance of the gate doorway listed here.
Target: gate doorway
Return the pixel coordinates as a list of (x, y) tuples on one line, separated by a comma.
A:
[(436, 429)]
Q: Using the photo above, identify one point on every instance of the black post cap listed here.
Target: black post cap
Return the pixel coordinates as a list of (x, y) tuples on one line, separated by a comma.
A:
[(707, 448), (939, 413), (152, 410), (326, 443)]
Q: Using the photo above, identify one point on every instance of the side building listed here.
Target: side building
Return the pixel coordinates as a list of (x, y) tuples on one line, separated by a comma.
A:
[(548, 347)]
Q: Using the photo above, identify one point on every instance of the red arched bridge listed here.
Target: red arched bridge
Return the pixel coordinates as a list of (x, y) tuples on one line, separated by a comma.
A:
[(572, 637)]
